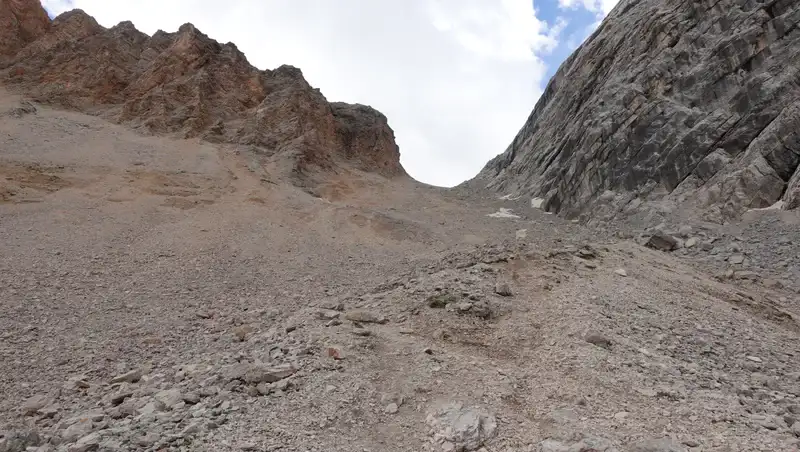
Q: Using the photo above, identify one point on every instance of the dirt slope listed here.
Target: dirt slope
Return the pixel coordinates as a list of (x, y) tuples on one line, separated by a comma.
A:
[(250, 315)]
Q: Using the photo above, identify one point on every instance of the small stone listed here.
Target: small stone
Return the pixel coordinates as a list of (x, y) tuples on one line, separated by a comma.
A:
[(87, 443), (333, 322), (622, 415), (503, 289), (754, 359), (773, 283), (690, 243), (598, 340), (621, 272), (328, 315), (151, 407), (587, 252), (363, 316), (122, 411), (34, 404), (204, 314), (589, 264), (691, 443), (282, 385), (440, 301), (333, 306), (464, 428), (50, 411), (77, 430), (147, 439), (363, 332), (119, 397), (662, 241), (191, 429), (767, 423), (657, 445), (749, 275), (77, 382), (258, 373), (129, 377), (391, 408), (208, 391), (335, 353), (191, 398), (170, 397), (252, 391), (248, 446), (736, 259), (240, 333)]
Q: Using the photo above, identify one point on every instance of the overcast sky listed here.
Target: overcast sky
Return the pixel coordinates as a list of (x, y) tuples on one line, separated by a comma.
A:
[(456, 78)]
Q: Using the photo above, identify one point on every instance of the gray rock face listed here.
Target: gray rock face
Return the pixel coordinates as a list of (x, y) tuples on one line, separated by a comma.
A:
[(695, 103)]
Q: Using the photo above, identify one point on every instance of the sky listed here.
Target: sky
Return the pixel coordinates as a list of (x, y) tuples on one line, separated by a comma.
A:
[(456, 78)]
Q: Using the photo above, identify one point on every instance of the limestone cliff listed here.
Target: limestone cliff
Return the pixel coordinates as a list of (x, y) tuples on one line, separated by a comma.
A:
[(685, 103)]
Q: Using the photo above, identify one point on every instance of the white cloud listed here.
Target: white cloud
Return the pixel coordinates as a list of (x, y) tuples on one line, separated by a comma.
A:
[(600, 7), (456, 78)]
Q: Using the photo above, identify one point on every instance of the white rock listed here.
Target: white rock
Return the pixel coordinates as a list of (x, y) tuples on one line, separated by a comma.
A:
[(466, 428), (503, 213), (128, 377)]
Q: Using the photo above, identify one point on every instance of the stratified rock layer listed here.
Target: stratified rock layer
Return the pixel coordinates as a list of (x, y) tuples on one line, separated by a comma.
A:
[(186, 83), (692, 102)]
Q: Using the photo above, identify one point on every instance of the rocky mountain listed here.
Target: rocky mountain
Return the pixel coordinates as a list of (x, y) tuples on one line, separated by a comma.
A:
[(161, 294), (189, 85), (670, 105)]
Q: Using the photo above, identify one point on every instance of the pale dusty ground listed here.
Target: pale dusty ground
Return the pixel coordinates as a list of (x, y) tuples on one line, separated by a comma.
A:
[(121, 252)]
